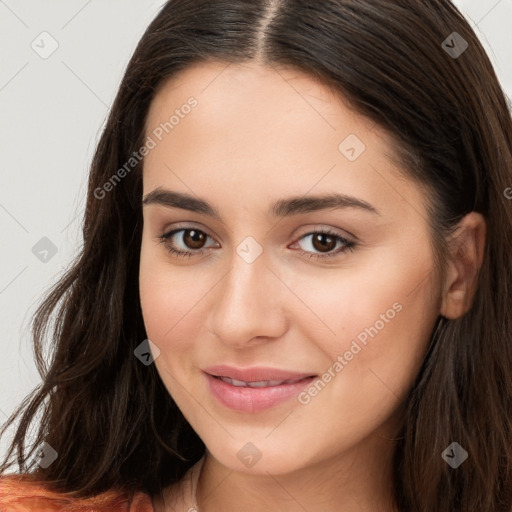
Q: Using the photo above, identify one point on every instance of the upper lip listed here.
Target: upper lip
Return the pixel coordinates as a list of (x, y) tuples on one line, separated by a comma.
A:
[(255, 374)]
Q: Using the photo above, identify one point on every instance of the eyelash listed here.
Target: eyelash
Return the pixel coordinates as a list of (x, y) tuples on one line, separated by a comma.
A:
[(348, 244)]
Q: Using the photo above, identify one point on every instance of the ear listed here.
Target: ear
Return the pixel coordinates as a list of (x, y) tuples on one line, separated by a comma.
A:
[(467, 246)]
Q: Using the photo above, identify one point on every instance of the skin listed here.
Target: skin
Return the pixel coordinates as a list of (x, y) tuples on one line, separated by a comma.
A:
[(257, 135)]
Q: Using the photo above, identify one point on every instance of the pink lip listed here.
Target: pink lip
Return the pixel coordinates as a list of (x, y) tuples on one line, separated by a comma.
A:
[(246, 399)]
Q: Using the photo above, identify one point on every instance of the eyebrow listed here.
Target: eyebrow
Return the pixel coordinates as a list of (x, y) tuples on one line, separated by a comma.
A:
[(282, 208)]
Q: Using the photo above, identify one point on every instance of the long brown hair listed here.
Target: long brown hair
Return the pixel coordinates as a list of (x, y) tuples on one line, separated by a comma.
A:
[(110, 418)]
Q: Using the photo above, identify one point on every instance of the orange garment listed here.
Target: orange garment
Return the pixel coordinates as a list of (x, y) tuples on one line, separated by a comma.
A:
[(23, 494)]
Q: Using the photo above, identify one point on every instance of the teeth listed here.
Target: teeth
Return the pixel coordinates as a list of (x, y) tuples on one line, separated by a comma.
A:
[(235, 382), (277, 382), (256, 384)]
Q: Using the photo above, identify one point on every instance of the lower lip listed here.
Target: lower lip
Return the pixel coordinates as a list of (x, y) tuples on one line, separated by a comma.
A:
[(246, 399)]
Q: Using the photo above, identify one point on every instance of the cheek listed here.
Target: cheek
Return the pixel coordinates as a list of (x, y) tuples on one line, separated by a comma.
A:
[(163, 303), (172, 307), (164, 290), (377, 316), (381, 333), (166, 298)]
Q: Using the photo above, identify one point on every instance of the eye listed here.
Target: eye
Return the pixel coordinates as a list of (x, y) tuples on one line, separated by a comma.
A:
[(326, 241), (191, 238)]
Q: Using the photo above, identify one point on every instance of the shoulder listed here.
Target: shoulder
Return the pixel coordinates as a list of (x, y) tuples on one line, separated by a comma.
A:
[(22, 493)]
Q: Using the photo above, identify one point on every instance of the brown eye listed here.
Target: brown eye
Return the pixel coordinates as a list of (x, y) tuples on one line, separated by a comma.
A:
[(323, 242), (193, 238), (185, 242)]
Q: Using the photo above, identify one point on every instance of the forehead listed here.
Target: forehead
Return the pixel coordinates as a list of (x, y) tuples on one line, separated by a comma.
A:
[(229, 92), (257, 130)]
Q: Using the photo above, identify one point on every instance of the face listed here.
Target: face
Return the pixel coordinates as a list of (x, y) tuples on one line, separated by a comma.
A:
[(322, 310)]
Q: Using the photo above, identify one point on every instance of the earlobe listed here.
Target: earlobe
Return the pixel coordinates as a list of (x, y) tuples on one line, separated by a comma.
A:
[(467, 248)]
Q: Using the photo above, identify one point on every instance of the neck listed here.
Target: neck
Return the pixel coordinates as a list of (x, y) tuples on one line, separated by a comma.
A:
[(353, 481)]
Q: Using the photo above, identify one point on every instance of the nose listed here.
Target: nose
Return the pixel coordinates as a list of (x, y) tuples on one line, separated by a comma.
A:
[(250, 305)]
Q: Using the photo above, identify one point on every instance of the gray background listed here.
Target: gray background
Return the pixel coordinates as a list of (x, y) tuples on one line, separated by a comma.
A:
[(52, 112)]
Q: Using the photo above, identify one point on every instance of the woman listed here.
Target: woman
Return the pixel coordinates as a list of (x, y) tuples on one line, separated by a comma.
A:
[(294, 289)]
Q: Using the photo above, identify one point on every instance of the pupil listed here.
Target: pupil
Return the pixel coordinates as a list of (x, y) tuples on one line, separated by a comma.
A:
[(197, 238), (321, 238)]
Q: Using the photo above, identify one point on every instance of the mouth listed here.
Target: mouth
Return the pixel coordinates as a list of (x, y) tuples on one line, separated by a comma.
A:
[(252, 395)]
